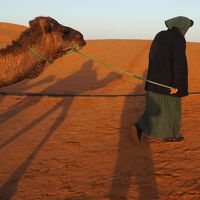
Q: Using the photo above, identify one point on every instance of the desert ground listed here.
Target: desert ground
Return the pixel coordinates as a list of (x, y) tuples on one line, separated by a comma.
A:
[(79, 147)]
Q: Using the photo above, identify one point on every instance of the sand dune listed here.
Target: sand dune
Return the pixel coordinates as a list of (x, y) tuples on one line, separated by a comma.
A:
[(79, 148), (9, 32)]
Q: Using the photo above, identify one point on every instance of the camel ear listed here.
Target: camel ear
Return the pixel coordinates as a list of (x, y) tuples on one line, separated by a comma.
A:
[(33, 22), (45, 23)]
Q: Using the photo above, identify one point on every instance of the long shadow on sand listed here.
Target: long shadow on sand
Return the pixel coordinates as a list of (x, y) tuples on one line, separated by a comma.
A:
[(133, 176), (90, 83), (9, 188), (23, 87)]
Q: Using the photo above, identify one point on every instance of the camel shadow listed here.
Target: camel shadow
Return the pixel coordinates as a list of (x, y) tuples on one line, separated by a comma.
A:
[(21, 87), (134, 169), (9, 188), (17, 108), (91, 83)]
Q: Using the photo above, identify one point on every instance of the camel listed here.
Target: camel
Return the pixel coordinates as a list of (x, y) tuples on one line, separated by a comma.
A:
[(46, 36)]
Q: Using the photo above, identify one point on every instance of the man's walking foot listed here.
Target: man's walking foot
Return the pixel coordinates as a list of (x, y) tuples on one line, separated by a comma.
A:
[(168, 139), (179, 139), (173, 139)]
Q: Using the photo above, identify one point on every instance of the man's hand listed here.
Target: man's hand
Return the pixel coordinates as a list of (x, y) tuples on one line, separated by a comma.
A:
[(173, 90)]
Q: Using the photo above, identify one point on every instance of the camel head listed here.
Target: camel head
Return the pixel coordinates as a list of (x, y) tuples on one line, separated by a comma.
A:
[(62, 38)]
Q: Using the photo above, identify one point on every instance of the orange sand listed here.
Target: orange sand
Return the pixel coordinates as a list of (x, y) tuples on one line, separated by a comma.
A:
[(79, 148)]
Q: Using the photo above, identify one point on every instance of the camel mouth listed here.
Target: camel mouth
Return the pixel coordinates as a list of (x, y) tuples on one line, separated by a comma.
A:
[(74, 47), (67, 49), (78, 48), (70, 49), (78, 45)]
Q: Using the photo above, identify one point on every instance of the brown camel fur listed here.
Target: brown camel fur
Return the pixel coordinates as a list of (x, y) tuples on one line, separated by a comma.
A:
[(47, 37)]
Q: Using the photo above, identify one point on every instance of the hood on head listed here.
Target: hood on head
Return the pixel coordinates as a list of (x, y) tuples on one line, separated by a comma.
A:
[(180, 22)]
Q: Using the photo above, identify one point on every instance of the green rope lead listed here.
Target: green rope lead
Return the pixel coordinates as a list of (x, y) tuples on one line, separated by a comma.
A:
[(39, 55), (74, 49), (117, 69)]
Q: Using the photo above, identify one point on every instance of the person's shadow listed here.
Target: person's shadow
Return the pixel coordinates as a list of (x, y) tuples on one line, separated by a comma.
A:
[(134, 169), (9, 188)]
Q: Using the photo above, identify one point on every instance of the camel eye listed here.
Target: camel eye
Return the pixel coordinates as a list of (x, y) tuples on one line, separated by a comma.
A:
[(52, 25), (78, 36), (66, 33)]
